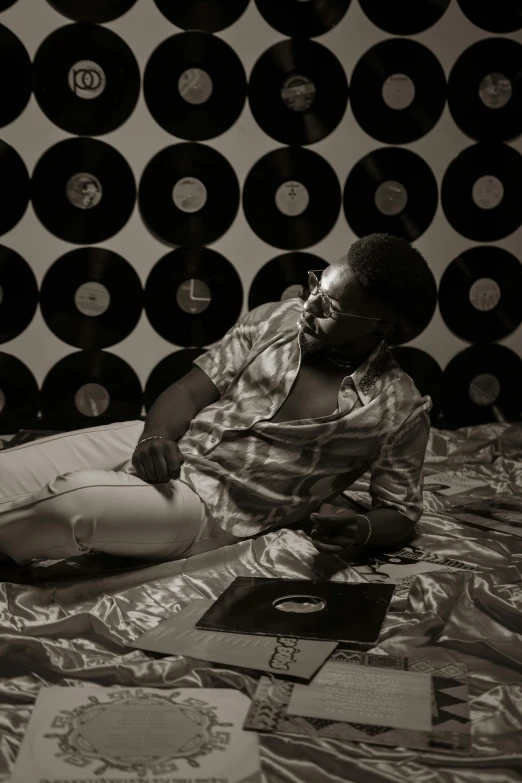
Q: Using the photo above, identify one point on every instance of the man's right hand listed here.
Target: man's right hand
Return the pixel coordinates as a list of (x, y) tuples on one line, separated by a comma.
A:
[(158, 461)]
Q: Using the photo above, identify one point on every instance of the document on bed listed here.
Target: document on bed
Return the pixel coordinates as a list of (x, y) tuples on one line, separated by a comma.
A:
[(299, 658), (138, 735)]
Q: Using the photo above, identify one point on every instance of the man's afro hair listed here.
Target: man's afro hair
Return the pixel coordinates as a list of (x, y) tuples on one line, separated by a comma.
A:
[(398, 276)]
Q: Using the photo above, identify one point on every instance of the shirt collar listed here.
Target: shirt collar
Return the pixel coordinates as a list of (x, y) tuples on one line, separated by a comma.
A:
[(369, 377)]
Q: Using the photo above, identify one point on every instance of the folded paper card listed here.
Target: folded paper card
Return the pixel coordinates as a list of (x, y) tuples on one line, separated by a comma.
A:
[(182, 735), (300, 658)]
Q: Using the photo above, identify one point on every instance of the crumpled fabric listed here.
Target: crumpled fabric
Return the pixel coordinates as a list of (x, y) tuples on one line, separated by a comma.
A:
[(76, 632)]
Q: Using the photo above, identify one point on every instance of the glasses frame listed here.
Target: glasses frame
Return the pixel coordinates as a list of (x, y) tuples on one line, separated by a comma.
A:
[(326, 297)]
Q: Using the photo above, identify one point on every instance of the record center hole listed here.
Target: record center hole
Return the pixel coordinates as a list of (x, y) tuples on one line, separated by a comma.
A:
[(299, 603)]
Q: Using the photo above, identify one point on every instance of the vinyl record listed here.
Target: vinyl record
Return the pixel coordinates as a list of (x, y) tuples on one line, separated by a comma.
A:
[(170, 369), (425, 372), (189, 194), (292, 198), (195, 86), (207, 15), (298, 92), (92, 10), (482, 385), (480, 294), (15, 90), (19, 395), (86, 79), (502, 16), (88, 389), (193, 296), (485, 90), (91, 298), (5, 4), (307, 609), (18, 294), (391, 191), (83, 190), (15, 179), (404, 17), (307, 20), (284, 277), (480, 192), (398, 91)]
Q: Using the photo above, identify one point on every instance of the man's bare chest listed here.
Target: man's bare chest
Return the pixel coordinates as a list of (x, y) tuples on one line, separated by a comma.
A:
[(314, 393)]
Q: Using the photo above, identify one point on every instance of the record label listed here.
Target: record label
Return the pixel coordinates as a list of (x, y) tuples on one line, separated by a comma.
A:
[(484, 389), (84, 190), (398, 91), (495, 90), (92, 299), (195, 86), (484, 294), (292, 198), (487, 192), (391, 198), (298, 92), (189, 194), (87, 80)]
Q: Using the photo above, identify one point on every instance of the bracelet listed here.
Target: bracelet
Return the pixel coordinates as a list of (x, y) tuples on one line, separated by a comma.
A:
[(149, 438), (369, 531)]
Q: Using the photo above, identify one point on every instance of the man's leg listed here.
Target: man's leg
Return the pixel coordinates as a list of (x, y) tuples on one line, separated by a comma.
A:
[(85, 509)]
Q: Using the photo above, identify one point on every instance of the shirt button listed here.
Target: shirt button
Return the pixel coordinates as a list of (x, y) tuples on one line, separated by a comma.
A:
[(346, 393)]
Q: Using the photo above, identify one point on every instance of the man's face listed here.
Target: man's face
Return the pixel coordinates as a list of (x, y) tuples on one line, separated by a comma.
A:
[(340, 331)]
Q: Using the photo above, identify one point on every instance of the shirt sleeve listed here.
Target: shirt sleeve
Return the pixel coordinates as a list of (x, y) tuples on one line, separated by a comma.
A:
[(225, 359), (397, 474)]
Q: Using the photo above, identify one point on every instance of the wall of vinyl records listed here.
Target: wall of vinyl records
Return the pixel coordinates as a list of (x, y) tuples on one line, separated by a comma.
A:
[(168, 166)]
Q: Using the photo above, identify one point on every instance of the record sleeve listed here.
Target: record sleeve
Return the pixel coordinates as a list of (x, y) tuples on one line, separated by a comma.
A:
[(308, 609)]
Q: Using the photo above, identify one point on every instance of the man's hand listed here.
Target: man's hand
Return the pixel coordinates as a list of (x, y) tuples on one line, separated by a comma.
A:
[(334, 529)]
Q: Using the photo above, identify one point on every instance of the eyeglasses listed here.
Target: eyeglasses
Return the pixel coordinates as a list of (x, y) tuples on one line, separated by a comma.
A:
[(326, 302)]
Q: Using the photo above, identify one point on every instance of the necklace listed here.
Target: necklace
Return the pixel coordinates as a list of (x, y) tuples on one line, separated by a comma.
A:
[(340, 362)]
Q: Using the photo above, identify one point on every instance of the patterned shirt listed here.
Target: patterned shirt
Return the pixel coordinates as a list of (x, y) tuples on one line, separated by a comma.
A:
[(256, 475)]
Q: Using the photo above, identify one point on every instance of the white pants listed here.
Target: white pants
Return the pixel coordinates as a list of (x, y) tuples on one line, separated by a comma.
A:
[(77, 492)]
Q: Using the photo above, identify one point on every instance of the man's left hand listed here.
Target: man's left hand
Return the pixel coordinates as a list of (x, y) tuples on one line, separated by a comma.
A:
[(334, 528)]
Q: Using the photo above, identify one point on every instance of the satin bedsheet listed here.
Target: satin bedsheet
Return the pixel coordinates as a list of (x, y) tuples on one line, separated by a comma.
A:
[(75, 632)]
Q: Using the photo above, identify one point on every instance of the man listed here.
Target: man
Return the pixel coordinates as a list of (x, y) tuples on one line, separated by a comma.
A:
[(284, 413)]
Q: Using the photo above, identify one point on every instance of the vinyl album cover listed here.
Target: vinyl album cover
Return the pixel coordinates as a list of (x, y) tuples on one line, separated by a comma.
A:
[(182, 735), (450, 721), (308, 609)]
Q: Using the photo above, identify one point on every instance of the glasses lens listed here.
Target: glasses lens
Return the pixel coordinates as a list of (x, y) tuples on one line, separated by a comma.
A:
[(327, 305), (312, 284)]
